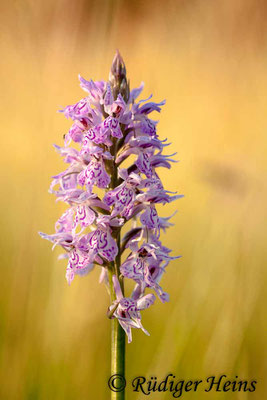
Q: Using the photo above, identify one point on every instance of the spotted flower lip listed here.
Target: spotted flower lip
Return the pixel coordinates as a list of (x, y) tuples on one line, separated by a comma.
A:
[(94, 174), (122, 198), (111, 183), (79, 263), (145, 266), (127, 310)]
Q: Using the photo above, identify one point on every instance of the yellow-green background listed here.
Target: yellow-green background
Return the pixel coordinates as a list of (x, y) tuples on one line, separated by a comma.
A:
[(209, 60)]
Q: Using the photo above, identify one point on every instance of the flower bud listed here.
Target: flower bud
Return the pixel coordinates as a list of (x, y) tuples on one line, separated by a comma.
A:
[(117, 77)]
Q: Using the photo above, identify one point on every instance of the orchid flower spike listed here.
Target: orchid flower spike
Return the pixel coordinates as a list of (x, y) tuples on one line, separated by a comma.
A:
[(104, 192)]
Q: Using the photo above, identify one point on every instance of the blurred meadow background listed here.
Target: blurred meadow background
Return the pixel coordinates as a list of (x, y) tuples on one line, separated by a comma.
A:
[(209, 60)]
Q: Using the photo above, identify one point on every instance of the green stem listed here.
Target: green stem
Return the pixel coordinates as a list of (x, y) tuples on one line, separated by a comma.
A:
[(117, 338), (117, 356), (117, 333)]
